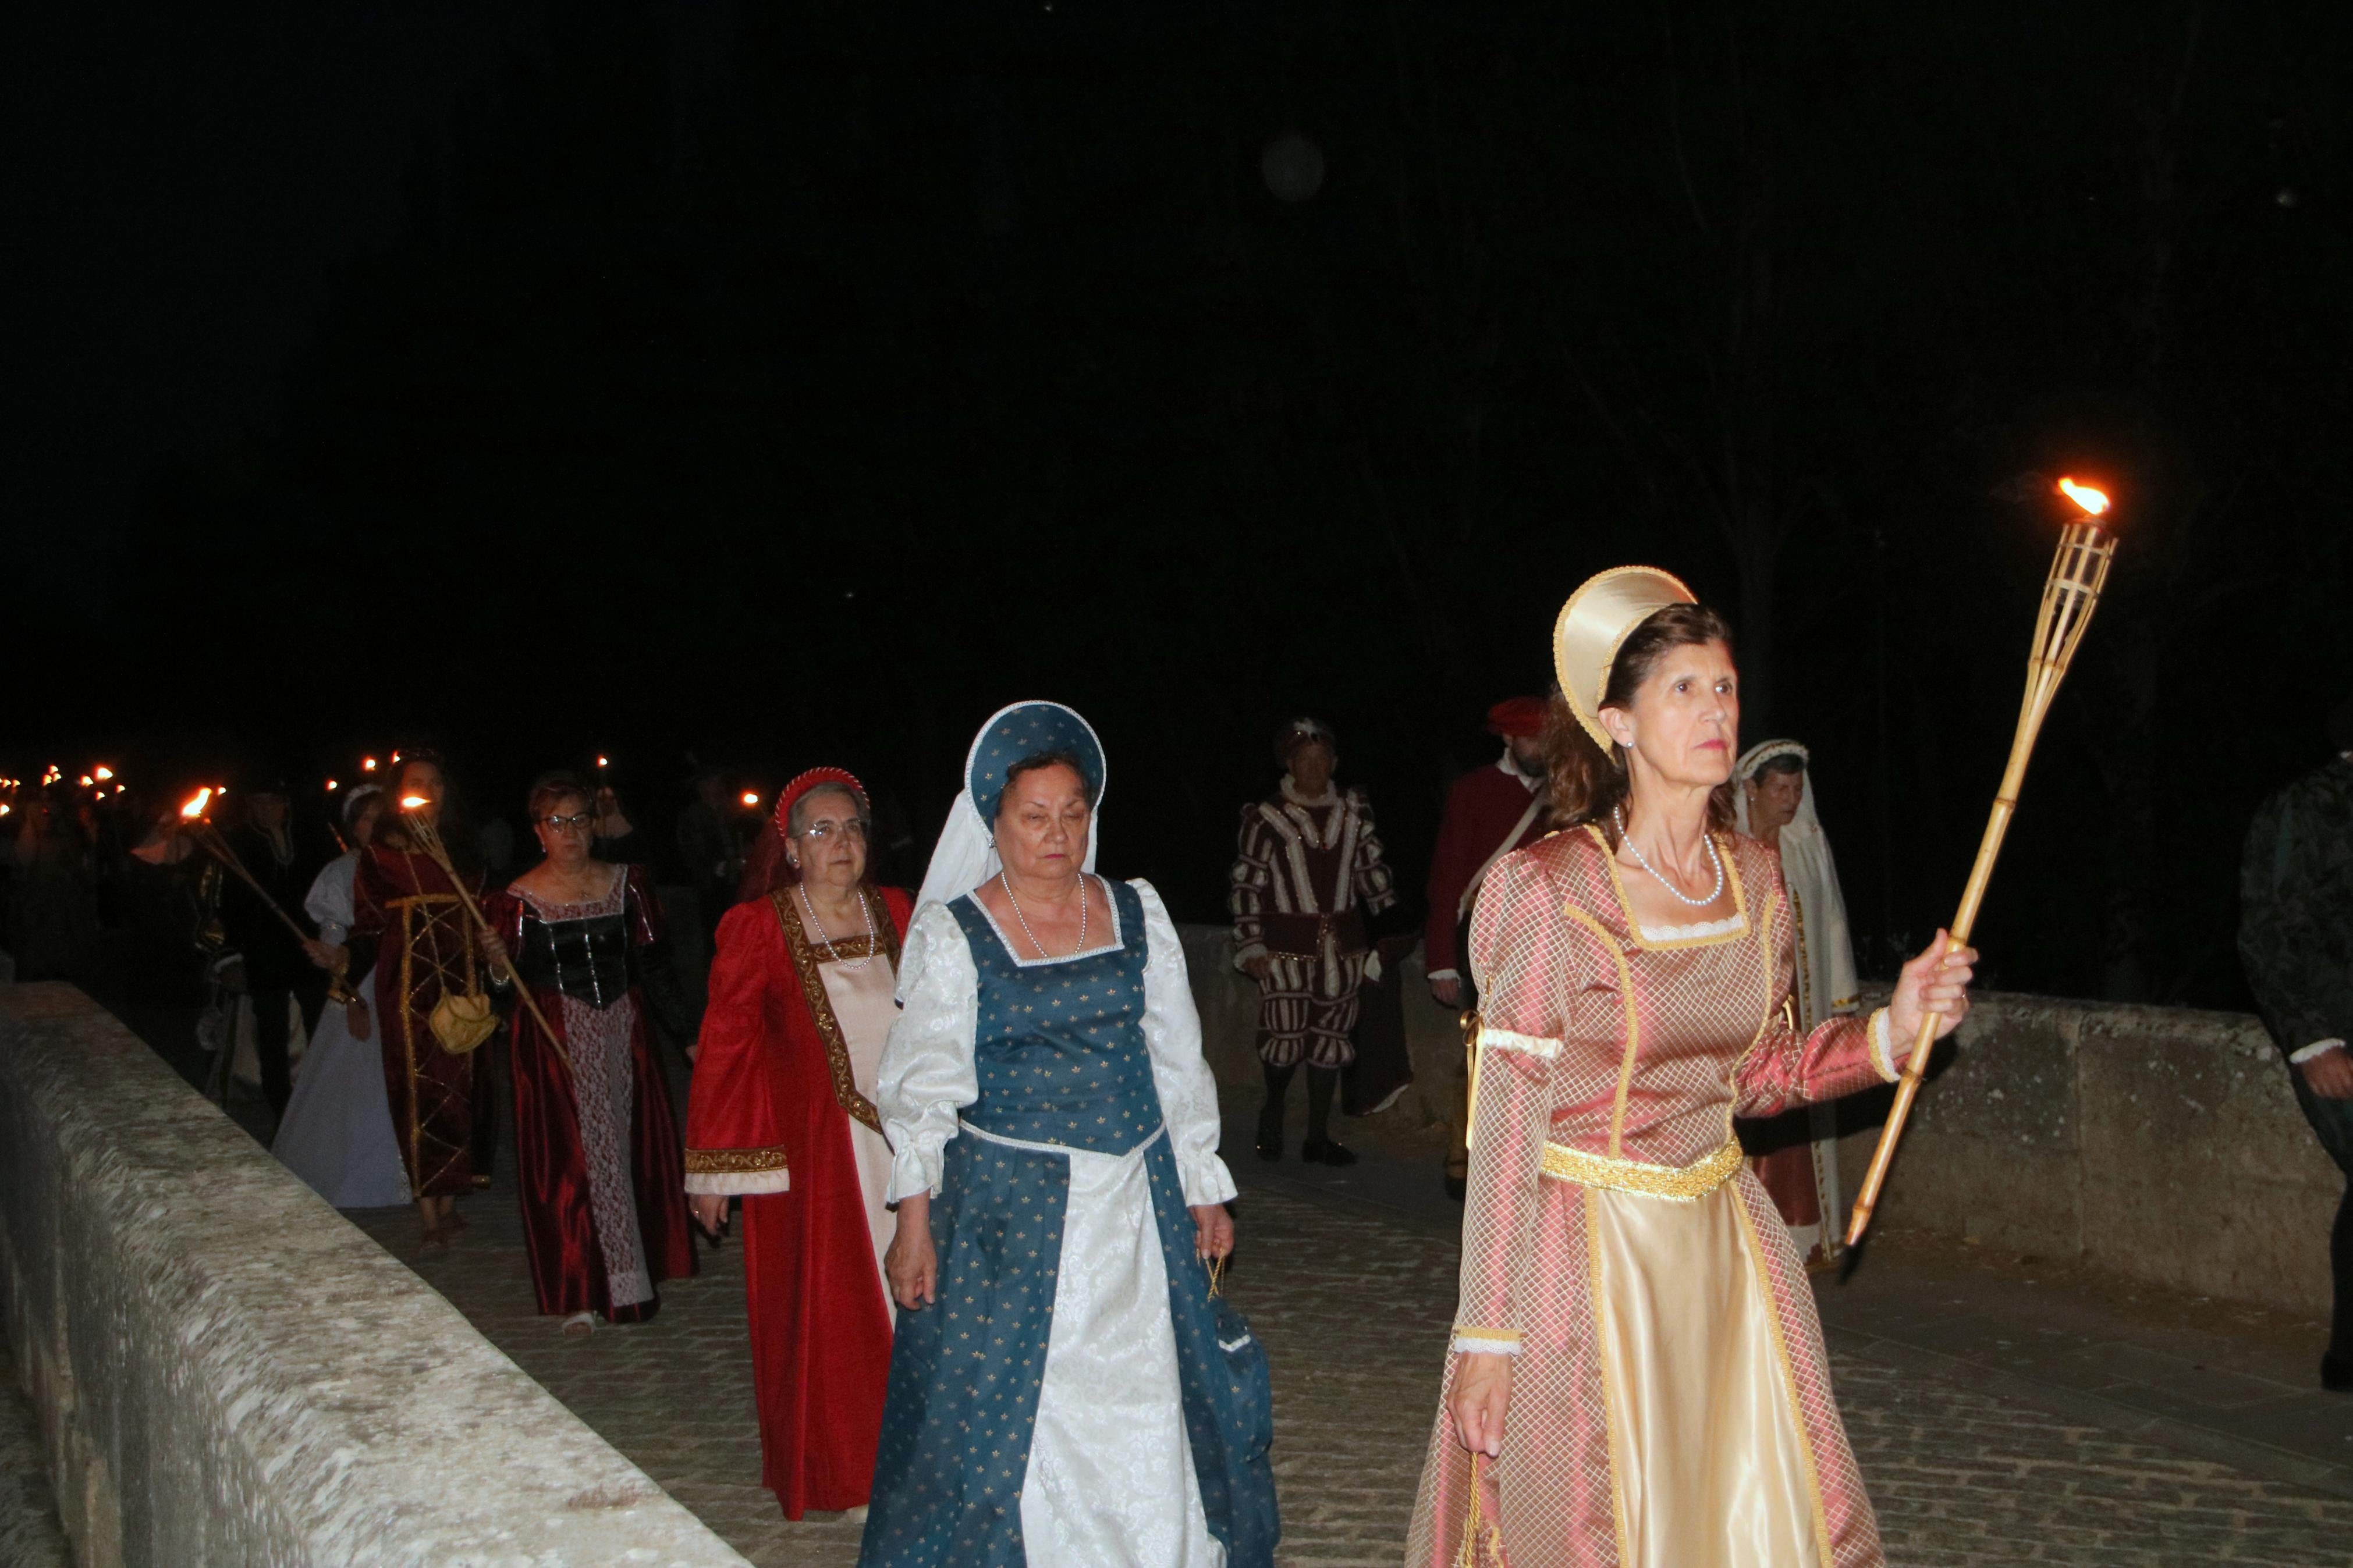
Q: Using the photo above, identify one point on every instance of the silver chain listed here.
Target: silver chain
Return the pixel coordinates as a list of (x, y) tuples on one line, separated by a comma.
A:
[(1617, 815), (831, 952), (1024, 919)]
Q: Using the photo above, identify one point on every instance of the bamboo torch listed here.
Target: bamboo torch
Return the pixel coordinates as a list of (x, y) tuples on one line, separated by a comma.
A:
[(428, 838), (194, 823), (2071, 592)]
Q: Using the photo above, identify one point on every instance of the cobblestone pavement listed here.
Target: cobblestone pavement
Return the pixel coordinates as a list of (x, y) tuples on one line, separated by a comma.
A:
[(1352, 1304)]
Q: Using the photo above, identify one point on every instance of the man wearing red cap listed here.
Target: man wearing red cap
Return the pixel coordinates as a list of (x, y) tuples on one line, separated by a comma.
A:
[(1490, 812)]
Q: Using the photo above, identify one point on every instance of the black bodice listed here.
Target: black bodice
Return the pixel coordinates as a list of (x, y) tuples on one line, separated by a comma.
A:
[(587, 959)]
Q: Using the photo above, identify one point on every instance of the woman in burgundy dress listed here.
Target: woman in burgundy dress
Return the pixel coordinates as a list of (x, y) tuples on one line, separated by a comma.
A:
[(783, 1115), (410, 924), (595, 1141)]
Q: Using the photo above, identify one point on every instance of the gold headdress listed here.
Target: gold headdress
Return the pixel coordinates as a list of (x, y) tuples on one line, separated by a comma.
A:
[(1595, 623)]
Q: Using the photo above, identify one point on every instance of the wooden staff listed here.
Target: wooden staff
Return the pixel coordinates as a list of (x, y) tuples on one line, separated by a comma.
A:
[(428, 838), (208, 838), (2071, 592)]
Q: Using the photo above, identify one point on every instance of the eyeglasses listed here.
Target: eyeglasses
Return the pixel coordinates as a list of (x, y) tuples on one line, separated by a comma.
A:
[(581, 822), (853, 832)]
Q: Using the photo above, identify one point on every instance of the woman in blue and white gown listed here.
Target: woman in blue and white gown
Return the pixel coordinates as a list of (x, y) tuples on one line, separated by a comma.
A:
[(1058, 1394), (337, 1132)]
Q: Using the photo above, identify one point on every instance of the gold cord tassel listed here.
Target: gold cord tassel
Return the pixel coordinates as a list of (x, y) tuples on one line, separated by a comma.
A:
[(1477, 1531)]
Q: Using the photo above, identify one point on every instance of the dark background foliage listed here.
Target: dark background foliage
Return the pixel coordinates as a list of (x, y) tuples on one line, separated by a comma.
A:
[(788, 384)]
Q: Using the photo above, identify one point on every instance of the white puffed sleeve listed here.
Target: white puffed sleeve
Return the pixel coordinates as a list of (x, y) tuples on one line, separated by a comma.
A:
[(928, 1074), (1172, 1031), (329, 901)]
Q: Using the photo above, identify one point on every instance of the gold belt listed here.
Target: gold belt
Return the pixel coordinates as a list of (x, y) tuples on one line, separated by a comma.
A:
[(1682, 1182)]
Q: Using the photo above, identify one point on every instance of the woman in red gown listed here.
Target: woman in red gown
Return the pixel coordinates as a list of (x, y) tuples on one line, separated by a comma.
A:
[(409, 923), (783, 1116), (594, 1142)]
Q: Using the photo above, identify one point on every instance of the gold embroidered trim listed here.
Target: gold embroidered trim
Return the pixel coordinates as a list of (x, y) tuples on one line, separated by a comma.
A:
[(733, 1162), (1633, 1021), (1464, 1332), (820, 1004), (1682, 1183)]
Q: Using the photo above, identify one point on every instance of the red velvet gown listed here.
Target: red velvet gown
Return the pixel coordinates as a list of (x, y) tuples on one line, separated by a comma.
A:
[(774, 1094), (408, 920), (596, 1144)]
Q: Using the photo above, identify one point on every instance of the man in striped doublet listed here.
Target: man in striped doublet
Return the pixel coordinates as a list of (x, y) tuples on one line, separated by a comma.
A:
[(1308, 871)]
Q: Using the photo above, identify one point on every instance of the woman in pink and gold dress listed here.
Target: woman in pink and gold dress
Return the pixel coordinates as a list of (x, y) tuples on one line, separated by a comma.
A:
[(1636, 1378)]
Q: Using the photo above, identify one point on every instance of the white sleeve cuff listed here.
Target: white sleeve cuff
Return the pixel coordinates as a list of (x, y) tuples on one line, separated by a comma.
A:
[(1445, 975), (735, 1183), (1882, 1047), (1472, 1344), (2314, 1049), (916, 1169), (1206, 1180)]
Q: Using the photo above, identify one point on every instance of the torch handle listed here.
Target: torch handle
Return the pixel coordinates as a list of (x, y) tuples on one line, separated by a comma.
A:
[(219, 849), (1965, 920)]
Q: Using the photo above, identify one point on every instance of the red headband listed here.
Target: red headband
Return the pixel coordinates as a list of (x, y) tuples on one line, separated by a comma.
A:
[(816, 778)]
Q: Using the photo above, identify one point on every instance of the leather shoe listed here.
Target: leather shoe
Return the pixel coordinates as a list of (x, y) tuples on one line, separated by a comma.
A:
[(1324, 1152), (1269, 1134)]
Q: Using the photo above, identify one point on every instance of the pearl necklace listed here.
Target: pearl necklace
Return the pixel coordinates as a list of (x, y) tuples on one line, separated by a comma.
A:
[(831, 952), (1033, 935), (1619, 816)]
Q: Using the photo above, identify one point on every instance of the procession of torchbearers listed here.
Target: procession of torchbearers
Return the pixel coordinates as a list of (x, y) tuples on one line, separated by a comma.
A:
[(975, 1139)]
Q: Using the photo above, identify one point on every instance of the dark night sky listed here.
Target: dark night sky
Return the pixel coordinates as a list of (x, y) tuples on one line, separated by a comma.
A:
[(799, 383)]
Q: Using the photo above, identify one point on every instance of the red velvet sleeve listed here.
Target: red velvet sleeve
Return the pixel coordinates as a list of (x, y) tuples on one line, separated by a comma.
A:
[(1450, 865), (643, 908), (1842, 1054), (734, 1132), (369, 893), (902, 905)]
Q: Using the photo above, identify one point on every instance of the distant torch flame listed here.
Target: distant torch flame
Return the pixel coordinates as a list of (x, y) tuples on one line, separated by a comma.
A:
[(367, 764), (85, 781), (330, 784), (601, 763), (411, 801), (195, 808), (2092, 501), (751, 797), (103, 773)]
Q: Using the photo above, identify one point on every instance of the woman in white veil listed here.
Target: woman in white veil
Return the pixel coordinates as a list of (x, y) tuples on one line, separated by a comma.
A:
[(1774, 803)]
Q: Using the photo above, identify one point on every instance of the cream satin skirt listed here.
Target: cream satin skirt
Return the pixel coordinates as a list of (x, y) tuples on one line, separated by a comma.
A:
[(1712, 1464)]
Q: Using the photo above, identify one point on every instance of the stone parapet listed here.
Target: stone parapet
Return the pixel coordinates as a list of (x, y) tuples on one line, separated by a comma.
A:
[(226, 1370), (2160, 1143)]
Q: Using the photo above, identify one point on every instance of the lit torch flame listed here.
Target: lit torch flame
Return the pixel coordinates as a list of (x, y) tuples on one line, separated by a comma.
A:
[(195, 808), (751, 797), (2093, 501), (600, 761), (103, 773), (367, 764), (411, 801), (330, 784), (85, 781)]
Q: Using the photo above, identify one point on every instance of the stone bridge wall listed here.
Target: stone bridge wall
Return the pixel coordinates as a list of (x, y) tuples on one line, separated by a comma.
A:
[(2159, 1143), (226, 1370)]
